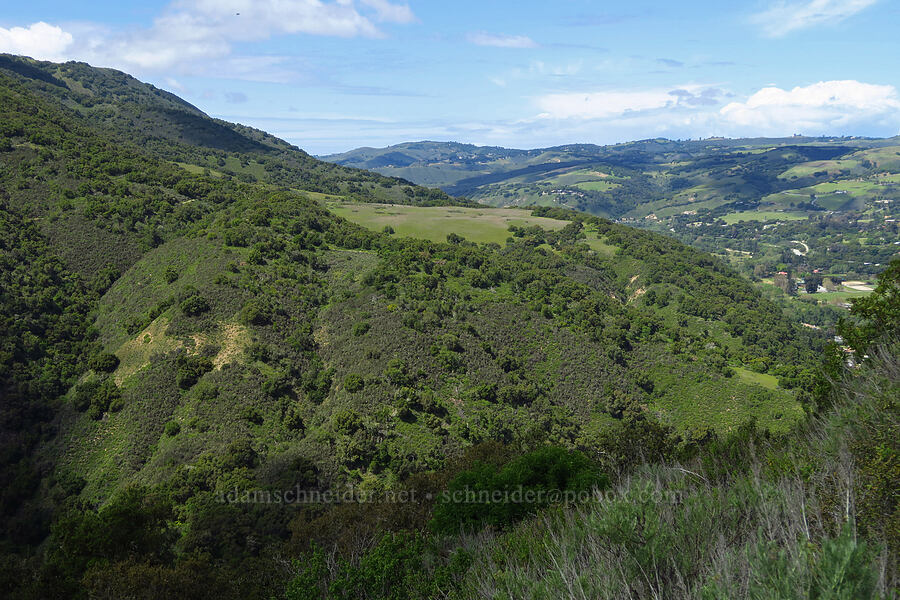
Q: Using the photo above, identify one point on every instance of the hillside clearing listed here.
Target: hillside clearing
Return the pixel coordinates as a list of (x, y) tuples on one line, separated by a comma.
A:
[(480, 225)]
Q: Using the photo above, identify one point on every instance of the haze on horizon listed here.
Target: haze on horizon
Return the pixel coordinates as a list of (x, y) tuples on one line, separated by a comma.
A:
[(330, 76)]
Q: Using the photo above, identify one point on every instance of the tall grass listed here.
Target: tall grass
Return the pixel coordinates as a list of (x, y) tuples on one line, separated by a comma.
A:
[(814, 516)]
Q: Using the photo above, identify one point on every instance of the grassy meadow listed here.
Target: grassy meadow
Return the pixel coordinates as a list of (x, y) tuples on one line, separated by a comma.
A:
[(480, 225), (763, 215)]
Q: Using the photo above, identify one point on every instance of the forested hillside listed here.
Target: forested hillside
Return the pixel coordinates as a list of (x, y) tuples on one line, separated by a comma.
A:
[(185, 323), (749, 201)]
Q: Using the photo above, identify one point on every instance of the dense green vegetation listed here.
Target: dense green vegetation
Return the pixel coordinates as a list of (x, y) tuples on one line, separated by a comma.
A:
[(213, 386), (752, 202)]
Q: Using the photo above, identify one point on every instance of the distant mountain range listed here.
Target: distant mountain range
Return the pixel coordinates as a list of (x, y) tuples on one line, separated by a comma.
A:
[(635, 179)]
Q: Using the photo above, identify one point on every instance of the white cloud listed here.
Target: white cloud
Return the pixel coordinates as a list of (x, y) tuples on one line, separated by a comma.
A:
[(191, 36), (259, 19), (609, 104), (690, 111), (40, 40), (601, 105), (824, 107), (785, 17), (482, 38)]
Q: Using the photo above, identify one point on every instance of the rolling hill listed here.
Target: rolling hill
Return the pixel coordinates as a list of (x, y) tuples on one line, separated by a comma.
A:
[(659, 176), (748, 201), (187, 315)]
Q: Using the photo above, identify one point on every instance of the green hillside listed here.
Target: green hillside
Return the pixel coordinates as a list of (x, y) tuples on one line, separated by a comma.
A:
[(838, 195), (662, 177), (193, 311)]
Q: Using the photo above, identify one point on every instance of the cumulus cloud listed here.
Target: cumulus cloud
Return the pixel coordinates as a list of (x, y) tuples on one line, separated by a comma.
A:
[(785, 17), (827, 106), (193, 34), (483, 38), (824, 108), (40, 40)]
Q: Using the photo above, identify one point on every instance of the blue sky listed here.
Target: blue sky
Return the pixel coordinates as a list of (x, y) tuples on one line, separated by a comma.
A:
[(331, 75)]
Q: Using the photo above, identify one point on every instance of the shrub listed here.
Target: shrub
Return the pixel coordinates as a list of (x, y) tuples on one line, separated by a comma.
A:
[(396, 373), (97, 396), (448, 360), (293, 420), (256, 313), (171, 274), (83, 393), (240, 236), (258, 351), (354, 383), (346, 422), (360, 328), (524, 484), (205, 391), (104, 363), (194, 305), (400, 565), (190, 369), (519, 394), (172, 428), (251, 415)]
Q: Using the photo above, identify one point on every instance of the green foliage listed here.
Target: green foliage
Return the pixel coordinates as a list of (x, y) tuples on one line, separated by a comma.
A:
[(104, 362), (194, 305), (256, 313), (135, 522), (499, 497), (545, 340), (400, 565), (96, 396), (841, 569), (171, 274), (354, 383), (878, 315), (190, 369), (346, 422), (396, 373)]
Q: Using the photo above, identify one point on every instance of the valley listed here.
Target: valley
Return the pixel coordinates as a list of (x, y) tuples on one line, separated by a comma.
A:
[(195, 311)]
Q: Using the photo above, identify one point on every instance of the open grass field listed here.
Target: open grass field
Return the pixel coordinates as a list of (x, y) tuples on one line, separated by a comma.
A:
[(748, 376), (598, 244), (835, 297), (808, 168), (763, 215), (691, 401), (198, 170), (885, 158), (480, 225), (842, 194), (597, 186), (321, 197)]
